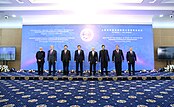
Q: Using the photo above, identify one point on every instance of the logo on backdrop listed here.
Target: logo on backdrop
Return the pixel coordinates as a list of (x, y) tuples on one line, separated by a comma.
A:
[(86, 34)]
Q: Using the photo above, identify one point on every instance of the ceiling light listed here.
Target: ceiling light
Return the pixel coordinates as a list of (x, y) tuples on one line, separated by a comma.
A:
[(13, 15), (171, 16), (6, 17), (161, 15)]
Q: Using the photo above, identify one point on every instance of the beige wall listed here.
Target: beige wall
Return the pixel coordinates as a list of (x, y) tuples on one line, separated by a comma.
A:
[(12, 37), (162, 37)]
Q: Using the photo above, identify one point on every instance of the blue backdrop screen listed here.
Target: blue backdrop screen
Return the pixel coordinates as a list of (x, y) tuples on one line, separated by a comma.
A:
[(140, 37)]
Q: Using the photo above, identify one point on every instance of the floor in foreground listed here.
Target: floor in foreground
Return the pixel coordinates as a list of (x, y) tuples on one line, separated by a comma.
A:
[(48, 93)]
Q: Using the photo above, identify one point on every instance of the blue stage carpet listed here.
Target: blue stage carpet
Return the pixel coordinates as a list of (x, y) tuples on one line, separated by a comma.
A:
[(98, 74), (49, 93)]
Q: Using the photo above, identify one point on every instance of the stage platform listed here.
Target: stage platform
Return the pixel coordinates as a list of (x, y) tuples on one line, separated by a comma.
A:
[(138, 76)]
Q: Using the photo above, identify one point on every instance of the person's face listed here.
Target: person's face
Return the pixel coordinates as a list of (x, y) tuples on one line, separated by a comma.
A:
[(78, 47), (117, 47), (41, 49), (103, 47), (51, 47), (130, 49), (65, 47), (93, 49)]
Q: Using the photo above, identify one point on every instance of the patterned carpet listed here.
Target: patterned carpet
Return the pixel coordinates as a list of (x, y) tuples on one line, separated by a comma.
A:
[(36, 93), (79, 93)]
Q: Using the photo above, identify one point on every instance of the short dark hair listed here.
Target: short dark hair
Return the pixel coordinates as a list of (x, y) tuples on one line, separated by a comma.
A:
[(78, 45), (103, 45), (66, 45), (117, 45)]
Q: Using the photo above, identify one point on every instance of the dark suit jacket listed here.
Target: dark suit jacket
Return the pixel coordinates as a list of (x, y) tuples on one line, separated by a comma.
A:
[(117, 56), (79, 57), (91, 58), (65, 57), (131, 57), (52, 57), (104, 56), (40, 55)]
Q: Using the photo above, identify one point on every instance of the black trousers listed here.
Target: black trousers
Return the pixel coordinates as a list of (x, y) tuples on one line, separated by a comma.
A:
[(54, 67), (92, 65), (104, 65), (133, 68), (65, 67), (118, 67), (77, 68), (40, 66)]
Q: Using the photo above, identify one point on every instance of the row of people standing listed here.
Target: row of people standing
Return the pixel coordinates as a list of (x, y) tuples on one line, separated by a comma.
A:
[(93, 59)]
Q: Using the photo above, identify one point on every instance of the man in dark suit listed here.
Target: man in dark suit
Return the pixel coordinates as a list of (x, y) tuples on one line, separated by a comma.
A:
[(79, 58), (104, 58), (40, 56), (131, 58), (52, 58), (117, 58), (65, 58), (93, 58)]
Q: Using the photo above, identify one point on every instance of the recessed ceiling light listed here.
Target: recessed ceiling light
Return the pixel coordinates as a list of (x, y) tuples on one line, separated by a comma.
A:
[(6, 17), (13, 15), (161, 15)]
